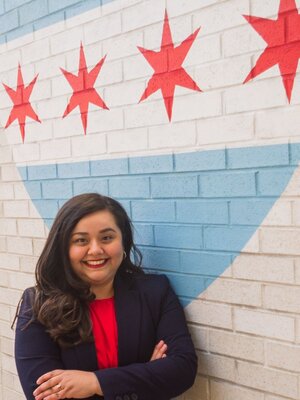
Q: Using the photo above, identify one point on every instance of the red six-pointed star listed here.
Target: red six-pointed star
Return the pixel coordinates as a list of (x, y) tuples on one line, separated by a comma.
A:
[(83, 88), (22, 107), (167, 65), (283, 38)]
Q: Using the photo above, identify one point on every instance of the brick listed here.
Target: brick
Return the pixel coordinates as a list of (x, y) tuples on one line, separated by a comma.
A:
[(249, 212), (213, 315), (132, 140), (9, 226), (283, 356), (147, 113), (135, 67), (282, 298), (28, 264), (151, 164), (9, 261), (236, 345), (279, 215), (226, 391), (17, 245), (174, 186), (46, 208), (263, 268), (9, 21), (234, 184), (55, 149), (161, 259), (122, 46), (277, 123), (258, 156), (265, 324), (33, 11), (142, 15), (200, 337), (73, 170), (26, 152), (225, 129), (200, 389), (21, 280), (118, 166), (9, 173), (11, 297), (143, 234), (35, 51), (280, 241), (5, 315), (16, 209), (263, 378), (153, 210), (273, 182), (202, 211), (173, 135), (187, 287), (178, 236), (216, 366), (61, 189), (129, 187), (89, 145), (7, 346), (42, 172), (31, 228), (66, 40), (5, 154), (8, 364), (228, 238), (97, 185), (6, 191), (105, 120), (104, 28), (204, 263), (124, 94), (234, 292), (4, 280), (200, 161), (38, 245), (2, 244)]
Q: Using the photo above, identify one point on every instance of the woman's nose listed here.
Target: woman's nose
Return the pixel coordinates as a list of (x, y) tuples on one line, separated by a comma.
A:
[(95, 248)]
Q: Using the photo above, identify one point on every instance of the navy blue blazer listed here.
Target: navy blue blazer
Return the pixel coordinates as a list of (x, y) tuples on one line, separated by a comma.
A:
[(147, 310)]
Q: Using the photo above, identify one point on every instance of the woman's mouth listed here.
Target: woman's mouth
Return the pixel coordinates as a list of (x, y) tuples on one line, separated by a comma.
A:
[(95, 263)]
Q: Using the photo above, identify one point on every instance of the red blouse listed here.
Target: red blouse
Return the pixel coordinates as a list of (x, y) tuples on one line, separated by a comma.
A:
[(105, 332)]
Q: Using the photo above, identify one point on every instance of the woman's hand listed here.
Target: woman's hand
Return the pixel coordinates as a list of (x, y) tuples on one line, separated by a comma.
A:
[(67, 384), (159, 351)]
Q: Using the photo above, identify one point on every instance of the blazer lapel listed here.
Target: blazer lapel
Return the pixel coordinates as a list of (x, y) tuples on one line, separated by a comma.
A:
[(128, 315)]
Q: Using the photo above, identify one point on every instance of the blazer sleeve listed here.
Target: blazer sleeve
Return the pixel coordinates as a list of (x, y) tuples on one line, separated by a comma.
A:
[(160, 379), (35, 352)]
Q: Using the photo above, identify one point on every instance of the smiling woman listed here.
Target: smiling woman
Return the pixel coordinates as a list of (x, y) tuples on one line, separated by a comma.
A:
[(95, 325)]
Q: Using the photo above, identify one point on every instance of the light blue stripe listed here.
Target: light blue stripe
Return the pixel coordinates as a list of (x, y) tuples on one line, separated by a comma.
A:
[(190, 224), (20, 17)]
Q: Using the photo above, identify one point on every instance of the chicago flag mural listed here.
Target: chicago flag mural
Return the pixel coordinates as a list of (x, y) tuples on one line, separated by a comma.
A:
[(188, 113)]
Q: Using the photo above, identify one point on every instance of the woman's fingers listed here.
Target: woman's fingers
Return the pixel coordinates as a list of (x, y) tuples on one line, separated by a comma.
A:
[(159, 351)]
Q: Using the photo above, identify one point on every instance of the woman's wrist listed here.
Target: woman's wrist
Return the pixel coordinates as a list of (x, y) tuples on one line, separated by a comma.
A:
[(96, 385)]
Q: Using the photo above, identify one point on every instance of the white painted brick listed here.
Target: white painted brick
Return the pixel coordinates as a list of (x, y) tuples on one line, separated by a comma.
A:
[(9, 173), (5, 154), (4, 313), (66, 40), (130, 140), (234, 292), (199, 336), (124, 94), (237, 346), (35, 51), (283, 298), (293, 188), (19, 245), (12, 394), (55, 149), (136, 67), (8, 226), (31, 228), (173, 135), (7, 346), (280, 215), (143, 14), (225, 129), (9, 261), (33, 213), (199, 390), (52, 108), (16, 209), (226, 391), (60, 86), (43, 91), (222, 16), (8, 363), (89, 145), (260, 323), (103, 28), (256, 95), (9, 297), (123, 46), (216, 366), (2, 244), (21, 281), (6, 191), (266, 9), (296, 212), (217, 315), (9, 59), (282, 122), (263, 268), (20, 191), (280, 241), (26, 152), (4, 278), (38, 245), (106, 120), (271, 397), (84, 17), (186, 6), (258, 377), (50, 67), (283, 356), (70, 126), (27, 264), (111, 73), (205, 49), (145, 113)]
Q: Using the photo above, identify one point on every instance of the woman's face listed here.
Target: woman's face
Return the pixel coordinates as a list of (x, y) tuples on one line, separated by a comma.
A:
[(96, 251)]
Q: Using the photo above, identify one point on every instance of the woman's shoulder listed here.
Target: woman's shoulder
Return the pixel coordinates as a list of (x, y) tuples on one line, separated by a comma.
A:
[(153, 282)]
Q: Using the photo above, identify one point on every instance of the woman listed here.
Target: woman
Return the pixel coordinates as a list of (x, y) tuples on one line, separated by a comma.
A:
[(95, 325)]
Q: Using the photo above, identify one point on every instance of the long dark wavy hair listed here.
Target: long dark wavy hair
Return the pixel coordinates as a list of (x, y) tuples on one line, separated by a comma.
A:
[(61, 298)]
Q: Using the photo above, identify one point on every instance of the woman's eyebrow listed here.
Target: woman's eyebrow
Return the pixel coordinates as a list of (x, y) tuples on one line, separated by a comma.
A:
[(102, 231)]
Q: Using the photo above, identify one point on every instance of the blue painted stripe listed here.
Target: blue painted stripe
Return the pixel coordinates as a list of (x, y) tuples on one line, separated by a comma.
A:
[(193, 213), (20, 17)]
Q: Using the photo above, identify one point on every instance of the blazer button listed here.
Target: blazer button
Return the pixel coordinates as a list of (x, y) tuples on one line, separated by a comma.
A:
[(134, 396)]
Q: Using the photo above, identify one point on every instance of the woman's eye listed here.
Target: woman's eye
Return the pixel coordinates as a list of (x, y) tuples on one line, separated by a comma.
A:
[(107, 238), (80, 240)]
